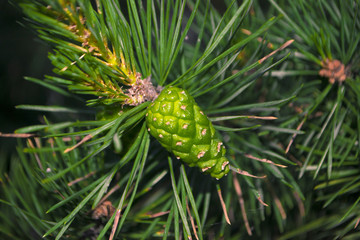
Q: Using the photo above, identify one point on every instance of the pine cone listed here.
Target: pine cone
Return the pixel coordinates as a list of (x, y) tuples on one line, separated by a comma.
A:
[(177, 122)]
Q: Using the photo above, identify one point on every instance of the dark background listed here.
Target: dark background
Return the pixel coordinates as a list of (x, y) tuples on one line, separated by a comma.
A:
[(21, 54)]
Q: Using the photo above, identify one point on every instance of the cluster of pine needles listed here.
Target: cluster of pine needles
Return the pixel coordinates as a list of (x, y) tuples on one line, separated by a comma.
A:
[(279, 80)]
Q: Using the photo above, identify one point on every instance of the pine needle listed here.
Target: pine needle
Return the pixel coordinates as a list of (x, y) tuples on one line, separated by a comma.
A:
[(259, 39), (17, 135), (294, 135), (245, 173), (86, 138), (287, 43), (223, 204), (277, 200), (264, 160), (242, 204), (35, 154), (159, 214), (81, 178), (191, 220), (357, 223), (115, 224), (300, 204), (261, 201)]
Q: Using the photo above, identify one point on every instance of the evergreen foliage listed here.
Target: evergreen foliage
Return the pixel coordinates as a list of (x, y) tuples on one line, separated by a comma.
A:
[(279, 80)]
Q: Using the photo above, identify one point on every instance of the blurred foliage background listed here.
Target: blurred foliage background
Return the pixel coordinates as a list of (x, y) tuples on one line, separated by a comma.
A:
[(22, 55), (322, 120)]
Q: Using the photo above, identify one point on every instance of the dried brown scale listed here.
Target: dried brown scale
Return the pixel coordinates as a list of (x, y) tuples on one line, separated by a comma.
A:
[(142, 91), (104, 210)]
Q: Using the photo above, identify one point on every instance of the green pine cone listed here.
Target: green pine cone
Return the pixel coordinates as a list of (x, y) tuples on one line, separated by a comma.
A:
[(177, 122)]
